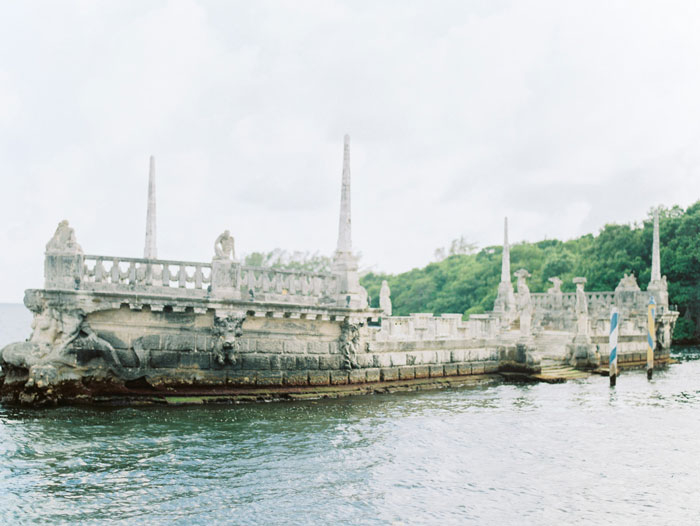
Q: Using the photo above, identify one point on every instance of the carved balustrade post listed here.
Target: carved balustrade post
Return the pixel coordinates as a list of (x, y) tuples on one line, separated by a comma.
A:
[(64, 261)]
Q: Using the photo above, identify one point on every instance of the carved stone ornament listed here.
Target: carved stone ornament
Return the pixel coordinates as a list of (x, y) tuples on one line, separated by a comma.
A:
[(628, 283), (349, 344), (227, 331), (224, 246), (556, 289), (63, 241), (524, 300)]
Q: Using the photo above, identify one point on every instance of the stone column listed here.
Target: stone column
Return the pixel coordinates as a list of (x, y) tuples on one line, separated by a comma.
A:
[(505, 300), (63, 261), (345, 266), (150, 251)]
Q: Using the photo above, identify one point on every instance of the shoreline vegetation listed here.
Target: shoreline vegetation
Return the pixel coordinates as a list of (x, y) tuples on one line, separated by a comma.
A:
[(465, 279)]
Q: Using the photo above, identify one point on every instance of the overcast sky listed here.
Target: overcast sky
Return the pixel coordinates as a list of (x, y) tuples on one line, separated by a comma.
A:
[(562, 115)]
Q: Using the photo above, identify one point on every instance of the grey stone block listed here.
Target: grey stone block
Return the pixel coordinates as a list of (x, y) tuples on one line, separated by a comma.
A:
[(407, 372), (357, 376), (319, 377), (389, 373), (478, 368), (164, 359), (422, 371), (491, 367), (339, 377), (149, 342), (294, 346), (318, 347), (288, 362), (329, 362), (268, 378), (201, 360), (436, 371), (464, 369), (296, 378), (373, 375), (307, 362), (451, 369), (177, 342), (256, 362), (270, 345), (204, 343), (243, 378)]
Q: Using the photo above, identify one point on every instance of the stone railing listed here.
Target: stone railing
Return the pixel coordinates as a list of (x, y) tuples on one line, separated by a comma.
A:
[(267, 284), (565, 303), (225, 279), (425, 326), (111, 273)]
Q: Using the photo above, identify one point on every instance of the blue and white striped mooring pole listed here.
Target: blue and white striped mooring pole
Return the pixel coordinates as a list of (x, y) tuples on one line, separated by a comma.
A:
[(614, 329), (651, 337)]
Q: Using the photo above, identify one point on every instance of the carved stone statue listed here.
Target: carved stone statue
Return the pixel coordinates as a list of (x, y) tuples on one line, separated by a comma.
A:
[(63, 241), (227, 330), (556, 289), (224, 246), (524, 303), (581, 308), (628, 283), (385, 298), (349, 344)]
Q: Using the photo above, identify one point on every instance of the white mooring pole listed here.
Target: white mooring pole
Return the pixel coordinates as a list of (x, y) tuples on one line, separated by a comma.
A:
[(651, 336)]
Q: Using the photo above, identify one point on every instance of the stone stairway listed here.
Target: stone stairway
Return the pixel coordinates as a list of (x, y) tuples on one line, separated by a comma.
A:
[(557, 372)]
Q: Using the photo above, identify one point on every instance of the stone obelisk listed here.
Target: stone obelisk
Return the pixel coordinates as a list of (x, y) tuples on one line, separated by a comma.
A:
[(658, 287), (149, 251), (655, 250), (350, 293), (505, 300)]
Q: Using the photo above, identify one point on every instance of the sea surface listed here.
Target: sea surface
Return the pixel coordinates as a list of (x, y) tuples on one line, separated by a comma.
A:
[(574, 453)]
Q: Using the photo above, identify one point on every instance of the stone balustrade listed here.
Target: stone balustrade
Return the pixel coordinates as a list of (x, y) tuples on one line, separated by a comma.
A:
[(276, 285), (118, 273), (565, 302), (187, 278), (425, 326)]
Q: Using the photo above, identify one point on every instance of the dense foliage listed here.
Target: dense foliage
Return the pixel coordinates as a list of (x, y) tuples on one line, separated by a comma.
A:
[(468, 282)]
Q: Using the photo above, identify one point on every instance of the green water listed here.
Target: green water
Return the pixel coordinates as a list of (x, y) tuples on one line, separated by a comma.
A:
[(575, 453)]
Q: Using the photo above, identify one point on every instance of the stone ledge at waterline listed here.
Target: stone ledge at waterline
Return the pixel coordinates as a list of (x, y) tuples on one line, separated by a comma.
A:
[(111, 329)]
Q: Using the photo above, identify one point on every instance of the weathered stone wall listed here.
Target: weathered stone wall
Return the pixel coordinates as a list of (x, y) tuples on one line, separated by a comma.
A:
[(172, 347)]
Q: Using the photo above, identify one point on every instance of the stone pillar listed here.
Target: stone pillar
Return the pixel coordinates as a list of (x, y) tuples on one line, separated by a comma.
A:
[(505, 300), (524, 304), (385, 298), (150, 251), (581, 352), (345, 266), (225, 269), (582, 331), (63, 261), (658, 287)]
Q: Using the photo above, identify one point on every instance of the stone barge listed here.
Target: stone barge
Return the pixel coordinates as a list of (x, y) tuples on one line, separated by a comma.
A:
[(114, 330)]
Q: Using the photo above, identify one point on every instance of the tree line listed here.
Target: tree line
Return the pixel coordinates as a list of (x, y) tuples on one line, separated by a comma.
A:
[(467, 282)]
